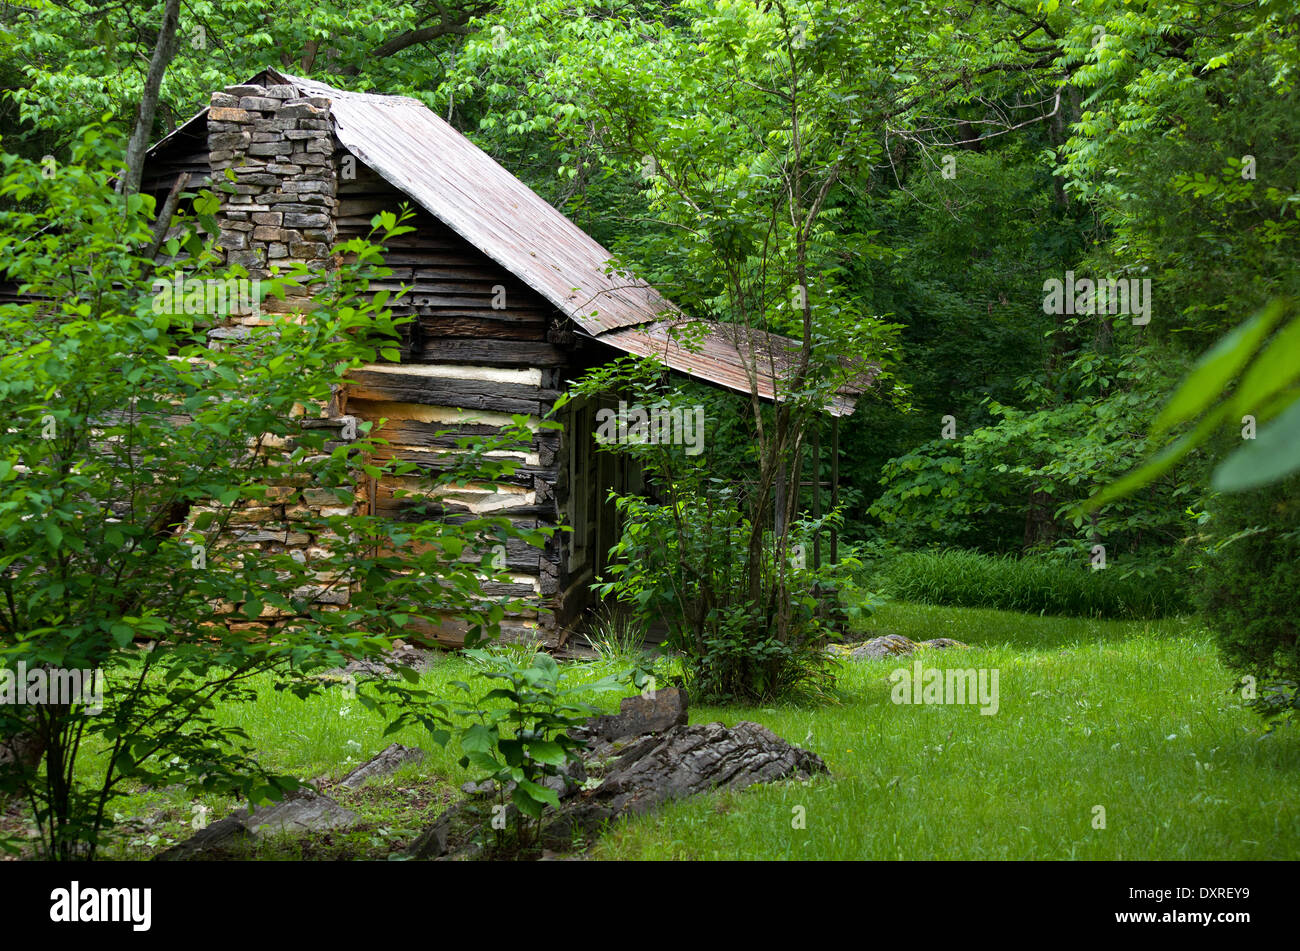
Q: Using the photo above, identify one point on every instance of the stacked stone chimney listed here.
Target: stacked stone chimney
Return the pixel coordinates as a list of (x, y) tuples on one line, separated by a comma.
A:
[(280, 147)]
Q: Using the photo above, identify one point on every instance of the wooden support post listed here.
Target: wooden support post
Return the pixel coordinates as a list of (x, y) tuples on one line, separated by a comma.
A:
[(817, 489), (835, 485)]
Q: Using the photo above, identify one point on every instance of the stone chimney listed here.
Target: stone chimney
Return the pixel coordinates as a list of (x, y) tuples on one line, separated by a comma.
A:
[(280, 147)]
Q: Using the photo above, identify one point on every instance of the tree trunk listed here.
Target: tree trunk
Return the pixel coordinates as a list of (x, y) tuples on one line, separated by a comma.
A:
[(163, 52)]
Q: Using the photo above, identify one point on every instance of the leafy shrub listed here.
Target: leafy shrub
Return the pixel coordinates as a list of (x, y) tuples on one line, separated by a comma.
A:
[(1013, 483), (1037, 583), (1247, 592), (518, 745), (693, 580), (131, 451)]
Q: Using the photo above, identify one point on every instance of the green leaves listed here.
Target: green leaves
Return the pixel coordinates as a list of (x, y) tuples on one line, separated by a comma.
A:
[(132, 505), (53, 533), (1158, 465), (1266, 388), (546, 751), (547, 665), (1271, 456), (1273, 371), (522, 731), (478, 738), (529, 798), (1210, 376)]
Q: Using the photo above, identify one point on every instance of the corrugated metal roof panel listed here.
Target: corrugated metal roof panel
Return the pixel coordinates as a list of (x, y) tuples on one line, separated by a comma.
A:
[(720, 358), (455, 180)]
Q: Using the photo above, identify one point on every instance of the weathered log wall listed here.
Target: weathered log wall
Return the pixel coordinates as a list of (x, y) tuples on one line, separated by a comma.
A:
[(480, 349)]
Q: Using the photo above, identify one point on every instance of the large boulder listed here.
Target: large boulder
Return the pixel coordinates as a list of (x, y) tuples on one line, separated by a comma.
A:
[(890, 645), (303, 810), (687, 760), (940, 642), (214, 839)]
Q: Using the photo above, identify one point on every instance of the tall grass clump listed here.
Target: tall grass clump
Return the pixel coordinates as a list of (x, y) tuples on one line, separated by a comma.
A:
[(1035, 584)]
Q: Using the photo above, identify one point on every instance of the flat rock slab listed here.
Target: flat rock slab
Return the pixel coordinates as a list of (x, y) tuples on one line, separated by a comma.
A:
[(303, 810), (636, 775), (688, 760), (216, 837), (382, 764), (890, 645)]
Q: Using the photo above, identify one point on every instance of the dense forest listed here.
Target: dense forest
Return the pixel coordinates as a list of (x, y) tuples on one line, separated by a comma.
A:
[(978, 149), (1060, 238)]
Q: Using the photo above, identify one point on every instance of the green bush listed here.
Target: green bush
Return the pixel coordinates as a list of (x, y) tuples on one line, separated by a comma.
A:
[(1247, 592), (747, 608), (129, 456), (521, 744), (694, 582), (1036, 584)]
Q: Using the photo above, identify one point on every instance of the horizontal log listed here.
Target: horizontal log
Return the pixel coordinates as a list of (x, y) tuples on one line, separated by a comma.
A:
[(366, 205), (411, 432), (452, 397), (505, 501), (499, 589), (435, 415), (520, 556), (465, 285), (444, 253), (451, 632), (495, 353), (427, 249), (439, 391), (528, 376), (409, 509), (532, 330), (414, 432), (466, 321), (436, 297), (447, 270), (431, 462)]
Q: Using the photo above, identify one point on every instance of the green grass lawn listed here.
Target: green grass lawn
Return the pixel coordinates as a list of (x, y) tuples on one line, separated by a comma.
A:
[(1134, 717), (1130, 716)]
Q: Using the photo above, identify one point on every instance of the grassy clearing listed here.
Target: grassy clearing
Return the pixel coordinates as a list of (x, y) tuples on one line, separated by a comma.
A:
[(1034, 584), (1132, 716)]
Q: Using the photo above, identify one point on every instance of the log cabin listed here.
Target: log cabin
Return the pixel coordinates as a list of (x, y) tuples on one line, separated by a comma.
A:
[(509, 300)]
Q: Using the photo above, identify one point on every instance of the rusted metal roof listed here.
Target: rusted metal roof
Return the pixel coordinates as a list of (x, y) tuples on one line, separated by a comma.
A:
[(456, 181), (728, 355), (421, 155)]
